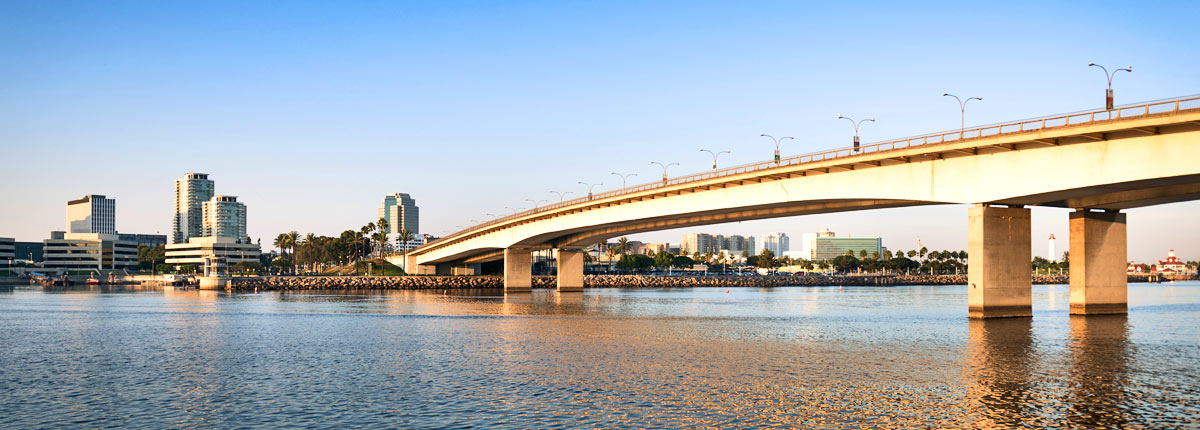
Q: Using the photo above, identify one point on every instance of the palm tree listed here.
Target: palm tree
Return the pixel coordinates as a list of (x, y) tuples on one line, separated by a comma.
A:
[(402, 240), (382, 225), (923, 251), (623, 245), (290, 243)]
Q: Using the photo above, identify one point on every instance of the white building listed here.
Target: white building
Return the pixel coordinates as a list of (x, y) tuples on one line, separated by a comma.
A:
[(88, 251), (777, 243), (400, 211), (229, 250), (8, 247), (191, 192), (92, 214), (224, 216), (1050, 255)]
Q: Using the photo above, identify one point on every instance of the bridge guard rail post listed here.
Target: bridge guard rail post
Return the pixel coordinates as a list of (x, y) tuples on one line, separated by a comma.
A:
[(1098, 264), (518, 270), (999, 249), (570, 270)]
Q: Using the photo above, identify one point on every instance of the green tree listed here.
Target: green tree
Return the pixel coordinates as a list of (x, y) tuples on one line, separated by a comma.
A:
[(862, 254), (623, 245), (150, 256), (402, 241), (664, 260), (845, 263), (912, 254), (682, 262), (766, 259), (922, 252)]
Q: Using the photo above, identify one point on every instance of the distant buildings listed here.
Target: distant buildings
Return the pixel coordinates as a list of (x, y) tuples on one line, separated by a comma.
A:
[(824, 245), (400, 211), (208, 228), (1171, 265), (224, 216), (148, 240), (191, 192), (777, 243), (8, 247), (92, 214), (704, 243)]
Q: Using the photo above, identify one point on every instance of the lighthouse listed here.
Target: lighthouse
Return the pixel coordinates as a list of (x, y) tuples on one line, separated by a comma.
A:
[(1050, 255)]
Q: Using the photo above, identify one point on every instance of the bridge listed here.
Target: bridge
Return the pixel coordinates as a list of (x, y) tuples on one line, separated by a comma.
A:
[(1096, 162)]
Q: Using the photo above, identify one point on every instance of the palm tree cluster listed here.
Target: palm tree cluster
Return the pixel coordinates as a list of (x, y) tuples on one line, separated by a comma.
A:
[(369, 241)]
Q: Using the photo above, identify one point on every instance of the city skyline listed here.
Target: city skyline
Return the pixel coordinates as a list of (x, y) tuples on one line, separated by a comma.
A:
[(326, 129)]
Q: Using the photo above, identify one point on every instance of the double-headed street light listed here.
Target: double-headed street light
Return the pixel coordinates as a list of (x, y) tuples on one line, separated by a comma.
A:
[(962, 107), (561, 196), (1108, 94), (777, 144), (536, 203), (718, 154), (624, 177), (514, 210), (590, 188), (664, 167), (856, 126)]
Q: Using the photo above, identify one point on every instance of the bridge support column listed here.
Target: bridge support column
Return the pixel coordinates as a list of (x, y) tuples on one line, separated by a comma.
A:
[(1098, 264), (998, 254), (518, 270), (570, 270)]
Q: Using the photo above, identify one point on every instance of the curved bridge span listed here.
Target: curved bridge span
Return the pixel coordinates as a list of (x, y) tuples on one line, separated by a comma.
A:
[(1096, 162)]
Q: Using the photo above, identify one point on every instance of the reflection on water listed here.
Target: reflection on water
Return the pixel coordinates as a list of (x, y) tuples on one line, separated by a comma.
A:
[(897, 357)]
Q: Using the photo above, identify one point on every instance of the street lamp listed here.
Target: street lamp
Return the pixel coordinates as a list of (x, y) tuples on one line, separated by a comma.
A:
[(623, 178), (514, 210), (590, 188), (561, 196), (856, 125), (777, 144), (664, 167), (536, 203), (494, 216), (962, 107), (1108, 95), (718, 154)]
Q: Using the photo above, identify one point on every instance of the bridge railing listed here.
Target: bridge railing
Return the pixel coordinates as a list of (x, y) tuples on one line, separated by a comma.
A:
[(1020, 126)]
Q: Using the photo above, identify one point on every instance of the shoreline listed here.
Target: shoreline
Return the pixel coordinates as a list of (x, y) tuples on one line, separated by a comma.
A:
[(285, 283)]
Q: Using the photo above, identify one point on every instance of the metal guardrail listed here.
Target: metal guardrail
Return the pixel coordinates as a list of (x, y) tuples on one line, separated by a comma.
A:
[(1132, 111)]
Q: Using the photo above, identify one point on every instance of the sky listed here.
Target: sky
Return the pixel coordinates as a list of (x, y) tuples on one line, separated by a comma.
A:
[(310, 112)]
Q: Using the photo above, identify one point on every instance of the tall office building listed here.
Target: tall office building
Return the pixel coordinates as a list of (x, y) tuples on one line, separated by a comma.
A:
[(191, 191), (400, 211), (778, 243), (824, 245), (92, 214), (224, 216)]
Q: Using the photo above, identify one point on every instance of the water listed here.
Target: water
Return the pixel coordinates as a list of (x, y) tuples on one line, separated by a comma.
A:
[(784, 357)]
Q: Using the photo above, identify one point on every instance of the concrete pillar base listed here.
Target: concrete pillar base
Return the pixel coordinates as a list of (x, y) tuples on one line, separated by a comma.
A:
[(518, 270), (1000, 284), (570, 270), (1098, 251)]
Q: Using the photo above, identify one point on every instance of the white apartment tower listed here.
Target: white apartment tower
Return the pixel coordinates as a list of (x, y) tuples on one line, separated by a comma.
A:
[(778, 243), (92, 214), (400, 211), (191, 192), (224, 216)]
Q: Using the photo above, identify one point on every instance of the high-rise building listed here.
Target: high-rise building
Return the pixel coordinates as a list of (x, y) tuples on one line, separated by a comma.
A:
[(704, 243), (92, 214), (777, 243), (224, 216), (191, 191), (400, 211)]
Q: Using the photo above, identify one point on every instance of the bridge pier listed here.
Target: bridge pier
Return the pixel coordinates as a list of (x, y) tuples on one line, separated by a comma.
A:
[(1098, 252), (518, 270), (570, 270), (998, 254)]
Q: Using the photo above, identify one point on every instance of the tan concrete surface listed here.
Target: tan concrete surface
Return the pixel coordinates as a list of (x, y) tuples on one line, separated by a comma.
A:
[(999, 280), (1098, 261), (570, 270), (518, 270)]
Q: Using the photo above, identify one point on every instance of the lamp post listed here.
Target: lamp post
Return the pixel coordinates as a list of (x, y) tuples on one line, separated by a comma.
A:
[(777, 141), (494, 216), (664, 167), (856, 126), (1108, 94), (718, 154), (515, 210), (623, 178), (962, 107), (590, 188), (561, 196), (536, 203)]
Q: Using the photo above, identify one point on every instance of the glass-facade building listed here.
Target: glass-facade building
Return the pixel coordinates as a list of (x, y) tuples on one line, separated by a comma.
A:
[(191, 192), (400, 211), (826, 248), (92, 214), (224, 216)]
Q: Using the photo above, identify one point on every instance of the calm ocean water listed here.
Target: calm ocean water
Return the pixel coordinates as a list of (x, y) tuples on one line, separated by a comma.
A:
[(783, 357)]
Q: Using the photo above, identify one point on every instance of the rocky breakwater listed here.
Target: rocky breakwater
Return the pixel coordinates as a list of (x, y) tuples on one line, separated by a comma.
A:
[(376, 282)]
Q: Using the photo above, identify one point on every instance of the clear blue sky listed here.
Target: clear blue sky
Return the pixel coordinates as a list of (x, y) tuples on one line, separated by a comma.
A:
[(311, 111)]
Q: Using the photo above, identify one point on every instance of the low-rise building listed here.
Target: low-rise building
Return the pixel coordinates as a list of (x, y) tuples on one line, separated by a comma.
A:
[(227, 249), (8, 247), (29, 251), (88, 251), (825, 245), (1171, 265), (149, 240)]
